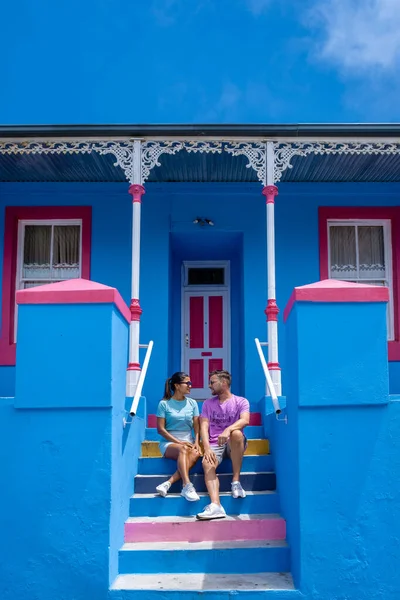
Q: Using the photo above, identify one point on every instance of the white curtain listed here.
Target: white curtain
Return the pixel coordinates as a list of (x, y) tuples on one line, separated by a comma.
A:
[(59, 244), (362, 260)]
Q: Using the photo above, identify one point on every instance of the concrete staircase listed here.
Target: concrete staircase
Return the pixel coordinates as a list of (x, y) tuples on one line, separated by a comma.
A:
[(168, 553)]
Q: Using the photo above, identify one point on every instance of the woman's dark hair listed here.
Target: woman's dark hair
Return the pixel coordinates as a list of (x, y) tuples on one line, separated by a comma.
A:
[(170, 384)]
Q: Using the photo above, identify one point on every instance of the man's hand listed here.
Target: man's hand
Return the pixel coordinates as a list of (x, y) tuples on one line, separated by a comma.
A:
[(197, 448), (210, 457), (224, 437)]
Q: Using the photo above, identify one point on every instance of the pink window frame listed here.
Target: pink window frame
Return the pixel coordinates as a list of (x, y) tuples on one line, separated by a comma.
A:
[(326, 213), (14, 214)]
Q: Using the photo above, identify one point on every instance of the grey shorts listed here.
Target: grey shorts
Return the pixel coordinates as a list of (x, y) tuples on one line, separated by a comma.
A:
[(224, 451)]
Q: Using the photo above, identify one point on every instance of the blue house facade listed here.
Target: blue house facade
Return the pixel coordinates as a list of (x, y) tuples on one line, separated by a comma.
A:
[(204, 232)]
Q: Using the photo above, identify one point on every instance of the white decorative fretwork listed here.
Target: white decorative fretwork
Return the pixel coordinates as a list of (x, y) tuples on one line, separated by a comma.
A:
[(255, 152), (151, 152), (153, 149), (122, 150), (284, 151)]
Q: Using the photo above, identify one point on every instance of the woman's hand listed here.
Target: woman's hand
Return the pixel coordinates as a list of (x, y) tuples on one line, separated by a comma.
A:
[(187, 444)]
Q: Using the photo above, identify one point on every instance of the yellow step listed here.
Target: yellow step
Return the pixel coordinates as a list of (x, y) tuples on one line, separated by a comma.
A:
[(151, 449)]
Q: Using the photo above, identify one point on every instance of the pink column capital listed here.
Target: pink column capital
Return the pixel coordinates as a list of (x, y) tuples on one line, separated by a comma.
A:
[(270, 191), (135, 309), (136, 191)]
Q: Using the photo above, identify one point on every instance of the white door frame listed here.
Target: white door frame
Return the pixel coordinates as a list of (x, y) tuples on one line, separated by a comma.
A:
[(225, 264)]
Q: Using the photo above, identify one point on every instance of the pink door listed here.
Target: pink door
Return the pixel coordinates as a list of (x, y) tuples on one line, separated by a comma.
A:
[(206, 337)]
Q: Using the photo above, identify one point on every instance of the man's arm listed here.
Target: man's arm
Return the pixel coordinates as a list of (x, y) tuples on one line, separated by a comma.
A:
[(209, 455), (239, 424)]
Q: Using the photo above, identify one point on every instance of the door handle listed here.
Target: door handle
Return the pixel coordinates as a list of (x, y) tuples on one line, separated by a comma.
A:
[(187, 339)]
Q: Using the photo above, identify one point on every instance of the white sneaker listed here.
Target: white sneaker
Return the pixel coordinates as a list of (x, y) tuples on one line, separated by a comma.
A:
[(190, 493), (237, 490), (163, 488), (212, 511)]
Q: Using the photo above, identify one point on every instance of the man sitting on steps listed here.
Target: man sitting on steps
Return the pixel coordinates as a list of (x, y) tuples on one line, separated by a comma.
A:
[(223, 418)]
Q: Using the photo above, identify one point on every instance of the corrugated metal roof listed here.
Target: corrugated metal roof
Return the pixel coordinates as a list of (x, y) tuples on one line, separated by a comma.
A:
[(190, 167), (343, 167)]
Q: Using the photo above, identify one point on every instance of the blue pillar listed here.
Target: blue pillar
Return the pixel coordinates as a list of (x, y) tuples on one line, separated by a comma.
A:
[(70, 466), (345, 444)]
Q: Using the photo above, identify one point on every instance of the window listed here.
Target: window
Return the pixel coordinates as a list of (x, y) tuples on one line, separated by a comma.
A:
[(360, 251), (41, 245), (356, 244), (206, 276)]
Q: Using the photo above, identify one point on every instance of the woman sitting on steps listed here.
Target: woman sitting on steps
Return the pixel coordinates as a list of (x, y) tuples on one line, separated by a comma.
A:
[(177, 416)]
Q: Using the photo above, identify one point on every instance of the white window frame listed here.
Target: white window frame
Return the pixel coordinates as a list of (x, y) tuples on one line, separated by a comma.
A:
[(386, 224), (19, 280)]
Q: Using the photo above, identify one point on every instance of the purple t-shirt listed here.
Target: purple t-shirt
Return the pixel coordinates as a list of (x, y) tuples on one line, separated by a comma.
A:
[(220, 416)]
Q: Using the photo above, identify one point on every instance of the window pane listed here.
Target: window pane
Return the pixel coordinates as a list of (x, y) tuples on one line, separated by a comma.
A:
[(371, 252), (37, 242), (343, 251), (66, 252), (205, 276), (31, 284)]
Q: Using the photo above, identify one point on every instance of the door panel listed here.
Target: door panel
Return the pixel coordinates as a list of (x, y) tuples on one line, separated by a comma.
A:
[(206, 343)]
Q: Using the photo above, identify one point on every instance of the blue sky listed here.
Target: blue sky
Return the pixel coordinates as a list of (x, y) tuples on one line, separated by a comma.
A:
[(199, 61)]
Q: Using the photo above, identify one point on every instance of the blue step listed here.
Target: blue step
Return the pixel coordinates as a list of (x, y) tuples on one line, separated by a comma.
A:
[(146, 484), (253, 432), (165, 466), (205, 557), (256, 503)]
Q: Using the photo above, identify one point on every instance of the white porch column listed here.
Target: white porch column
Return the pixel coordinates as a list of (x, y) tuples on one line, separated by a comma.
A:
[(136, 190), (272, 310)]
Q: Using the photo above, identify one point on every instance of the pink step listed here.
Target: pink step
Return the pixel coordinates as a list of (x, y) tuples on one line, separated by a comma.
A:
[(188, 529), (255, 419)]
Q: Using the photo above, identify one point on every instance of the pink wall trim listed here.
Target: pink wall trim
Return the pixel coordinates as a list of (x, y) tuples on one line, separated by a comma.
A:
[(272, 310), (13, 214), (137, 191), (197, 531), (74, 291), (135, 309), (332, 290), (391, 213), (270, 191)]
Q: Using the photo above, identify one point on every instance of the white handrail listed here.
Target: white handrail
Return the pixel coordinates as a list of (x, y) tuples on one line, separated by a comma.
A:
[(142, 377), (267, 374)]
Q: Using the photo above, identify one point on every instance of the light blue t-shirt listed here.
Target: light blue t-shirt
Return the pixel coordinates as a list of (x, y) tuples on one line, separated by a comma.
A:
[(178, 415)]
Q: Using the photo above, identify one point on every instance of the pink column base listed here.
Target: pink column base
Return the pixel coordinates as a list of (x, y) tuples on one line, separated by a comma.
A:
[(203, 531)]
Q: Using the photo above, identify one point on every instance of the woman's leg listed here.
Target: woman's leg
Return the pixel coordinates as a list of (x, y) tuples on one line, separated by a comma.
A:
[(185, 458)]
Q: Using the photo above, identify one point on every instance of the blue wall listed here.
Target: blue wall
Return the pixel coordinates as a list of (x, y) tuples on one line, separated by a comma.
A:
[(338, 457), (169, 236), (67, 468)]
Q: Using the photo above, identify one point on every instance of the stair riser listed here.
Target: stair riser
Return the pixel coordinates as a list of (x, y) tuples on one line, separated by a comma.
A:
[(213, 560), (255, 419), (259, 447), (176, 505), (165, 466), (252, 433), (250, 482), (215, 531)]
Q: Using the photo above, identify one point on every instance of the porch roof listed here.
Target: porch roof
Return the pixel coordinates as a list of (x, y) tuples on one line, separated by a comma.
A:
[(186, 166)]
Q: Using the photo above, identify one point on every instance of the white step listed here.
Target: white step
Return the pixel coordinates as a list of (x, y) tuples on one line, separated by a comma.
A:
[(203, 581)]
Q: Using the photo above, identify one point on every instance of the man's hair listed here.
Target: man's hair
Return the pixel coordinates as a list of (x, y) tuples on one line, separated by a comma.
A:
[(221, 374)]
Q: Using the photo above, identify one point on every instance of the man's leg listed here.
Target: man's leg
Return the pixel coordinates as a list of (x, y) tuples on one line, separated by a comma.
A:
[(236, 450), (212, 482)]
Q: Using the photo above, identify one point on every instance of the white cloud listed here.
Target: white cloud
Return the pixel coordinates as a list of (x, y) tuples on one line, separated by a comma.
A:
[(359, 35), (257, 7)]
